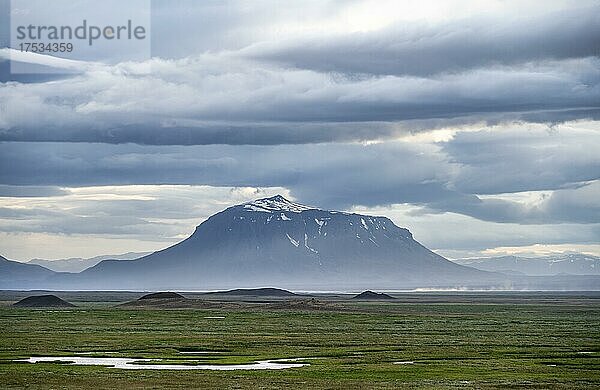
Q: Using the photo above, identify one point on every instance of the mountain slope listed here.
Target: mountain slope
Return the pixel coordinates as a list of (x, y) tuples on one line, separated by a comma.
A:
[(14, 274), (275, 242), (570, 263), (78, 264)]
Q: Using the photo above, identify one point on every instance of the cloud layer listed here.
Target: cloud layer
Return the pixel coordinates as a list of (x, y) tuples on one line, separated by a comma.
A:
[(422, 49), (319, 87), (443, 115), (448, 176), (221, 99)]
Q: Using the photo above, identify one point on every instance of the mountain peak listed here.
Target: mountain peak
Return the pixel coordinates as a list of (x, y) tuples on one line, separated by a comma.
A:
[(274, 204)]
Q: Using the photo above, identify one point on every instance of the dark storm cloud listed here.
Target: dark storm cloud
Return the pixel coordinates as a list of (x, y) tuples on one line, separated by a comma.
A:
[(208, 134), (517, 160), (580, 204), (337, 176), (454, 46), (218, 99), (30, 191), (239, 83), (98, 164), (4, 23), (321, 174), (577, 205)]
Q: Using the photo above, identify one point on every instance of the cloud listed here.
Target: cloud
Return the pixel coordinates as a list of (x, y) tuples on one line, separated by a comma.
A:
[(354, 78), (182, 27), (469, 174), (223, 99), (524, 158), (30, 191), (96, 164), (453, 46), (579, 205), (457, 235), (153, 213), (544, 250), (7, 54), (85, 219)]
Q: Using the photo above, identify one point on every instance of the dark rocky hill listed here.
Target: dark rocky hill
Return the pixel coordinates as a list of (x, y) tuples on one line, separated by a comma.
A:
[(43, 301), (370, 295), (255, 292), (162, 295)]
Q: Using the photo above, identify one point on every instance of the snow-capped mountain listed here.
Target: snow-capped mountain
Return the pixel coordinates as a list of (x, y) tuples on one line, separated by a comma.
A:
[(276, 242), (78, 264), (565, 263)]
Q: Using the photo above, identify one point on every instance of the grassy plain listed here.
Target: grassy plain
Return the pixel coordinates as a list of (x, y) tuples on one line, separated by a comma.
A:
[(454, 340)]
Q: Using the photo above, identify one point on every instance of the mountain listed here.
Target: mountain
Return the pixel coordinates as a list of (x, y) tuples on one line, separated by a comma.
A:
[(162, 295), (14, 274), (569, 263), (255, 292), (43, 301), (78, 264), (370, 296), (276, 242)]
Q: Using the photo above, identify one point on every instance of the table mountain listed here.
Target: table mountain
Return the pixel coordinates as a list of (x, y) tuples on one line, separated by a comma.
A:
[(276, 242)]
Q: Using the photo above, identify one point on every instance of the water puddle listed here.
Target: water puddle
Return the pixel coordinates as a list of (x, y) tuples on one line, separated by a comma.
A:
[(133, 364), (406, 362), (56, 311)]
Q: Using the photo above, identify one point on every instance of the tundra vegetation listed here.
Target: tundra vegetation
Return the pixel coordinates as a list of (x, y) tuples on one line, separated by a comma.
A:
[(469, 340)]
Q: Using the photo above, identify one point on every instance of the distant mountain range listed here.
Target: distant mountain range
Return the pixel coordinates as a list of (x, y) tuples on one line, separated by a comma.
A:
[(14, 274), (571, 263), (279, 243), (78, 264)]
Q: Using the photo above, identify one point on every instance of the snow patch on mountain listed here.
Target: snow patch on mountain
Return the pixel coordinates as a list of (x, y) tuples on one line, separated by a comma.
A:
[(294, 242), (307, 246), (276, 204), (362, 220), (321, 223)]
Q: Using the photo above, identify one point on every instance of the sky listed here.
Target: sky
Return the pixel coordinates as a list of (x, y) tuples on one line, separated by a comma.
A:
[(476, 125)]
